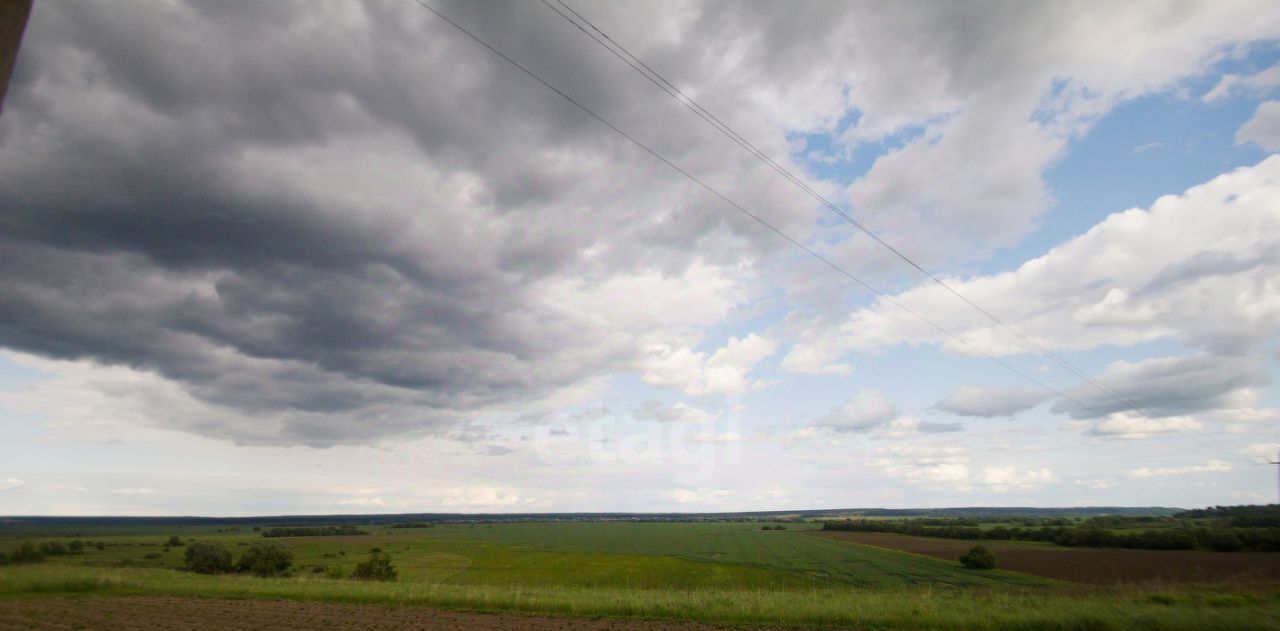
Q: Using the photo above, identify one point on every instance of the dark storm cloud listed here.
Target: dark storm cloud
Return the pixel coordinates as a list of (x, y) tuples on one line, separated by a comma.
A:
[(335, 212)]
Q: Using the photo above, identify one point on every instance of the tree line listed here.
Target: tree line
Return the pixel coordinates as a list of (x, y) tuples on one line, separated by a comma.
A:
[(28, 552), (313, 531)]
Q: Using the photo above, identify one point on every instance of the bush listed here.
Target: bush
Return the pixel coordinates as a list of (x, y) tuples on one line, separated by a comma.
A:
[(174, 541), (76, 547), (207, 557), (377, 568), (53, 548), (1226, 542), (100, 545), (335, 571), (978, 558), (266, 558), (151, 555)]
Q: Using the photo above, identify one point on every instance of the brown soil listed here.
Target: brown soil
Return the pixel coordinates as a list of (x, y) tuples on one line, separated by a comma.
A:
[(170, 613), (1099, 566)]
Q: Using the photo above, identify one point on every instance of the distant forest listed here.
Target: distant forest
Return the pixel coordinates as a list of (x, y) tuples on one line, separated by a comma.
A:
[(27, 522), (1220, 528)]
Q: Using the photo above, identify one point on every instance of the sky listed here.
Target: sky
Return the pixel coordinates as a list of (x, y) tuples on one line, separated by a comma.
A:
[(338, 257)]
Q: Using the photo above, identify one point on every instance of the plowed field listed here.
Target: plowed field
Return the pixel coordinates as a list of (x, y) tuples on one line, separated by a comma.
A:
[(174, 614), (1099, 566)]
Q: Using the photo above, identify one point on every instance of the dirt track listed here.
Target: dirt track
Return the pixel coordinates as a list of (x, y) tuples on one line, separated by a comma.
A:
[(1099, 566), (173, 614)]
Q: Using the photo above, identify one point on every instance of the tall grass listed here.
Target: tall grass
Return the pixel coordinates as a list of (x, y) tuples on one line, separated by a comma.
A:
[(898, 608)]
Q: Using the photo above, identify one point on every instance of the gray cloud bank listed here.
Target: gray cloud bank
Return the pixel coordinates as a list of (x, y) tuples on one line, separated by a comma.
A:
[(334, 209)]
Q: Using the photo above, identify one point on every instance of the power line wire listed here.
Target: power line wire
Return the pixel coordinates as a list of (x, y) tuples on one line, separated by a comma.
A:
[(882, 295), (621, 52)]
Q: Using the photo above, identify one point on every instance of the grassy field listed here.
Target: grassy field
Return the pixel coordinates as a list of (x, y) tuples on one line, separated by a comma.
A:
[(729, 573)]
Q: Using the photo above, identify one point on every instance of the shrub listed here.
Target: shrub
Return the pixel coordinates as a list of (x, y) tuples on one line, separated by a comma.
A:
[(151, 555), (377, 568), (53, 548), (1226, 542), (336, 571), (978, 558), (100, 545), (174, 541), (207, 557), (266, 558)]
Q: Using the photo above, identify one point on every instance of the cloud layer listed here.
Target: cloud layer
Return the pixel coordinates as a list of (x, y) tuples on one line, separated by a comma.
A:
[(331, 223)]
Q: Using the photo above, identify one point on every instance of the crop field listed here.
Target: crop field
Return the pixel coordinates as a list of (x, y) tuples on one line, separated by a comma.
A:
[(1101, 566), (724, 573)]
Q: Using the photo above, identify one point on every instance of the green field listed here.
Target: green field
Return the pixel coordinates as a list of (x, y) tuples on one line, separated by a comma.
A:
[(721, 572)]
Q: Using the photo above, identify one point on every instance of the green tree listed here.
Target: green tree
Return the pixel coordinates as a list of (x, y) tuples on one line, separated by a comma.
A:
[(266, 558), (376, 568), (208, 557), (27, 553), (978, 558)]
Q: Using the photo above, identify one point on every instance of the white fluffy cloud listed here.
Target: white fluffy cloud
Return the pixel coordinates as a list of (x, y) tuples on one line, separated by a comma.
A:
[(723, 372), (1130, 425), (867, 409), (1042, 75), (1212, 466), (1233, 83), (1263, 452), (10, 483), (679, 412), (1008, 478), (1264, 128), (1137, 276), (950, 467)]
